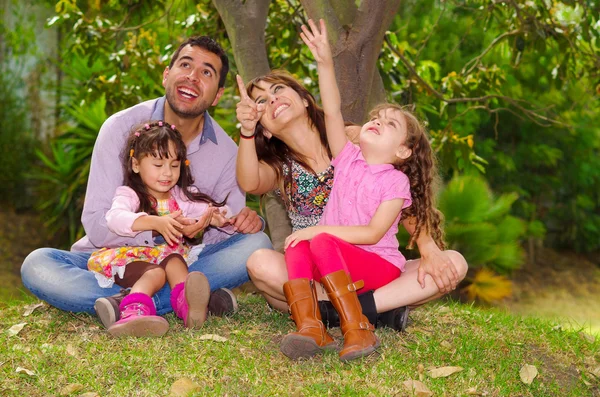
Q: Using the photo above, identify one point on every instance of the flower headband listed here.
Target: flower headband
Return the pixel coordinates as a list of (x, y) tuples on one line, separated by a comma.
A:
[(146, 127)]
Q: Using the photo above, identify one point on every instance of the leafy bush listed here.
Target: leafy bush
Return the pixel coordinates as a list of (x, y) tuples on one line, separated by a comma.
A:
[(62, 176)]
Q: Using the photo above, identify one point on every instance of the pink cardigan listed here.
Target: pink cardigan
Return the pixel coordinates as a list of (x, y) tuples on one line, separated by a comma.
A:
[(122, 213)]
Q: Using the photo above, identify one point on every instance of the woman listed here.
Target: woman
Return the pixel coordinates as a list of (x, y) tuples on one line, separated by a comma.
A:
[(283, 147)]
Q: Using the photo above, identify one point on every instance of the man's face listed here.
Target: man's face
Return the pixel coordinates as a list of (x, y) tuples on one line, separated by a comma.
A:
[(192, 84)]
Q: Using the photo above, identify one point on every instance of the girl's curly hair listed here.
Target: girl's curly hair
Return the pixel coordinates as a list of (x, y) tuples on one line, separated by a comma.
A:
[(421, 169)]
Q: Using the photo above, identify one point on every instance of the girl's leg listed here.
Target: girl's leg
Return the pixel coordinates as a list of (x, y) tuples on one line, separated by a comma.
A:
[(332, 254), (311, 337), (150, 282), (335, 259), (190, 292), (406, 290), (137, 311), (299, 262), (176, 270)]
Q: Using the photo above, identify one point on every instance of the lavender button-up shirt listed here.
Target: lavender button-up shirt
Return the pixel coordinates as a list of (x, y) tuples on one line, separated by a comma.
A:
[(212, 156)]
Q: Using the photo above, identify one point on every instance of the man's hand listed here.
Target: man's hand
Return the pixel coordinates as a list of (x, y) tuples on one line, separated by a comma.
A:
[(246, 222), (439, 266), (190, 230), (219, 219)]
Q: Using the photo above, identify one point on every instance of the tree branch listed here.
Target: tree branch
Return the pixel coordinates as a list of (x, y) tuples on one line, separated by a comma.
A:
[(430, 33), (476, 60), (530, 114), (119, 27)]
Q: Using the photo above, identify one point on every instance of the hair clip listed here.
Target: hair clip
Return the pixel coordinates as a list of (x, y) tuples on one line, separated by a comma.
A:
[(131, 153), (187, 162), (137, 133), (160, 123), (173, 127), (147, 127)]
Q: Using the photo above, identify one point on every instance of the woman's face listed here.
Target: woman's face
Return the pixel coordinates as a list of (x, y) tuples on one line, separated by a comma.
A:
[(282, 105)]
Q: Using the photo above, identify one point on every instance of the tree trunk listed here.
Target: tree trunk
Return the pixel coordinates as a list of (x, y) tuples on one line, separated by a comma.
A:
[(356, 35), (356, 45), (245, 22)]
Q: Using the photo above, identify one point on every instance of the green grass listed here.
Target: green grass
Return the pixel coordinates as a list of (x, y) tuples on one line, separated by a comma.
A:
[(491, 346)]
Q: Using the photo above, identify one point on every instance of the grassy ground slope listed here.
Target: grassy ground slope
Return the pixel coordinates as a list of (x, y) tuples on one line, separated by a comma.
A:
[(67, 352)]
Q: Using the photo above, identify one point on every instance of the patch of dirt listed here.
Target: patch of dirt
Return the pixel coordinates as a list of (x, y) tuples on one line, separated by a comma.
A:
[(20, 233), (563, 286)]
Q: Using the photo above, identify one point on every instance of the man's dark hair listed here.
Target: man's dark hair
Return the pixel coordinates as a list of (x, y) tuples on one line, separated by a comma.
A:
[(210, 45)]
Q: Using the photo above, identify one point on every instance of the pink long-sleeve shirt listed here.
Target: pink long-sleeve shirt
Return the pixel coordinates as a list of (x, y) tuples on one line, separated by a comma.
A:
[(123, 212)]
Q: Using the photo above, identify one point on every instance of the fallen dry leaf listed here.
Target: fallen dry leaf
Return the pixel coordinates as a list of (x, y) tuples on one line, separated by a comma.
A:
[(70, 389), (71, 351), (89, 394), (214, 337), (588, 337), (443, 372), (418, 389), (595, 372), (15, 329), (30, 308), (183, 387), (27, 371), (473, 392), (528, 373)]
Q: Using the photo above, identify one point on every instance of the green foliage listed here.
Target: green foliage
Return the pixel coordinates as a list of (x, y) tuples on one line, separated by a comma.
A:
[(479, 226), (62, 176), (509, 89), (17, 139)]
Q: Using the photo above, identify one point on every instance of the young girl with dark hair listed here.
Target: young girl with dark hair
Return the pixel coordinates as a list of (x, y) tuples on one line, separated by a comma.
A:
[(158, 189)]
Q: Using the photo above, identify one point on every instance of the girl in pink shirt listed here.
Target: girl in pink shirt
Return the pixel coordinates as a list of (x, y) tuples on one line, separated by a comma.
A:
[(354, 247), (158, 191)]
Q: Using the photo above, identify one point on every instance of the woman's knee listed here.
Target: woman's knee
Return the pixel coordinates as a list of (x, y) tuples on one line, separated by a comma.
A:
[(459, 262), (261, 263)]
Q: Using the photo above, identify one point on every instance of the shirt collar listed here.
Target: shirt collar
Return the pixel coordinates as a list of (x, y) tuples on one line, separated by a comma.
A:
[(375, 168), (208, 130)]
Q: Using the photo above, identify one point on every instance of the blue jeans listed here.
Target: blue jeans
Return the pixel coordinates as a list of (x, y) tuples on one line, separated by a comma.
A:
[(61, 277)]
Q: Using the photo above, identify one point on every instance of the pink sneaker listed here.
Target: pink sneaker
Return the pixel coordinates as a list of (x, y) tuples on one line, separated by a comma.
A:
[(138, 318), (190, 300)]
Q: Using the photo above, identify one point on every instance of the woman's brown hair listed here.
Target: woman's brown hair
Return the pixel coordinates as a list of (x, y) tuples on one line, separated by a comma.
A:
[(421, 169), (274, 152)]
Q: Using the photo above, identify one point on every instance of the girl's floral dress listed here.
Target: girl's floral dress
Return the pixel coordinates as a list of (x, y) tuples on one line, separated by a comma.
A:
[(108, 262)]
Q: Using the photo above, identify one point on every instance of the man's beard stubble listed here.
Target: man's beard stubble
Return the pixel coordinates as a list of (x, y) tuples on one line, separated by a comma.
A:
[(196, 111)]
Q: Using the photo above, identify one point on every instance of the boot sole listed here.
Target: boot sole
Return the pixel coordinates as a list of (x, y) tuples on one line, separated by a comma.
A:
[(197, 294), (143, 326), (298, 346), (361, 353), (105, 312)]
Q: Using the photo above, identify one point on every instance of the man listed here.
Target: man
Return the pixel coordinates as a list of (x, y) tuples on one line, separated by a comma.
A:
[(193, 82)]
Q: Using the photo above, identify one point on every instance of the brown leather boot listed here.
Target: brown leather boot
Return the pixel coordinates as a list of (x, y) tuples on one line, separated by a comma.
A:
[(359, 339), (312, 337)]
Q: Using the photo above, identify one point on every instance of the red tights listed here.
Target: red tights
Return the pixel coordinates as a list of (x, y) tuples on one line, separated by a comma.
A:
[(326, 254)]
